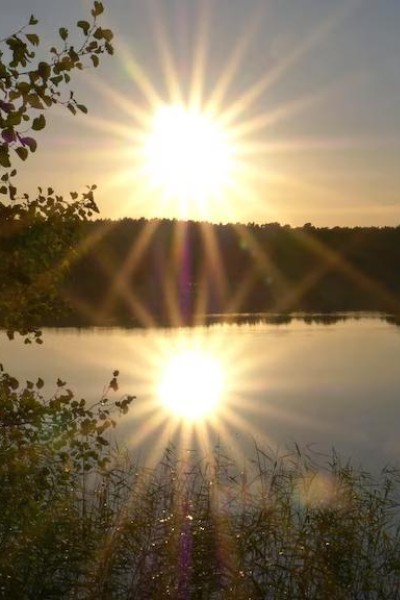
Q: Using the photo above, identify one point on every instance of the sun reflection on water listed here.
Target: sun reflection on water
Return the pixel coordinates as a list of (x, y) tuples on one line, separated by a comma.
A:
[(192, 385), (195, 389)]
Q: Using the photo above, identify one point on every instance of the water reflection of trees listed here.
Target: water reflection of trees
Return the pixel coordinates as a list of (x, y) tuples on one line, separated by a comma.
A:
[(392, 319), (277, 319)]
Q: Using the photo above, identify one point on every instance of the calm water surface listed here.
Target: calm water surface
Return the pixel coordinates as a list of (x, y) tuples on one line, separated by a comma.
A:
[(328, 385)]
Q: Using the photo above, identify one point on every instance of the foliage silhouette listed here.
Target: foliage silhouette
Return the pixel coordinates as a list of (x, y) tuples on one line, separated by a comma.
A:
[(32, 82), (49, 446), (134, 263)]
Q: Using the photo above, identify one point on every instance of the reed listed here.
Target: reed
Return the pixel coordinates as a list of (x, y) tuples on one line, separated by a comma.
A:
[(293, 525)]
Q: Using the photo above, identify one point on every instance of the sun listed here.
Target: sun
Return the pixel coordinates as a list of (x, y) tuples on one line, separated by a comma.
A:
[(191, 385), (206, 143), (187, 156)]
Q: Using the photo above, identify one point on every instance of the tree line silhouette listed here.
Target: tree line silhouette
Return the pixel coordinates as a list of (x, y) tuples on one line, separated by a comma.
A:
[(67, 271), (167, 271)]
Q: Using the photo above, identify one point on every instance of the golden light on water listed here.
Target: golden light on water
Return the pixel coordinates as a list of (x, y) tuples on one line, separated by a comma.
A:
[(191, 385), (191, 388), (199, 389)]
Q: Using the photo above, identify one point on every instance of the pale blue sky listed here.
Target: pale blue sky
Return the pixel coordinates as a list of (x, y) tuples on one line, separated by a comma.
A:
[(337, 68)]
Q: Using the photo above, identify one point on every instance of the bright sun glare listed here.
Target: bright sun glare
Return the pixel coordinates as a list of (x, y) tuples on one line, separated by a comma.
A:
[(199, 145), (187, 155), (191, 385)]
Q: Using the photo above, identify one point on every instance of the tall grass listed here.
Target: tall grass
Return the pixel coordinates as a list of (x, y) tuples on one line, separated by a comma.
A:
[(192, 527)]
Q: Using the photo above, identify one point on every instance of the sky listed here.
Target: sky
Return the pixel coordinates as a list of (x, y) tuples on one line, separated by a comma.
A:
[(308, 89)]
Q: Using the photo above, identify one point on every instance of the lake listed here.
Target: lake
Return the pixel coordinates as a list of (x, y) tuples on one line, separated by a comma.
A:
[(281, 380)]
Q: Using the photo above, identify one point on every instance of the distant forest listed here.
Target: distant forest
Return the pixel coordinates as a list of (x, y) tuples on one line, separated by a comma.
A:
[(172, 272), (166, 272)]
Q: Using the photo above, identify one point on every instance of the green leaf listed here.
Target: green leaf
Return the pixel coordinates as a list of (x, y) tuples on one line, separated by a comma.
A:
[(109, 48), (71, 108), (98, 8), (108, 35), (4, 157), (56, 80), (13, 119), (13, 383), (44, 70), (13, 95), (22, 152), (23, 87), (33, 38), (12, 191), (82, 108), (34, 101), (30, 142), (33, 20), (39, 123), (114, 384), (98, 34), (3, 189), (84, 25), (73, 55), (95, 60), (63, 32), (8, 134), (39, 383), (92, 46), (47, 100)]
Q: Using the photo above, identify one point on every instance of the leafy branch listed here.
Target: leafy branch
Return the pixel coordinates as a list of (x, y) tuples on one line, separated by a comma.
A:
[(34, 249), (71, 430), (28, 87)]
